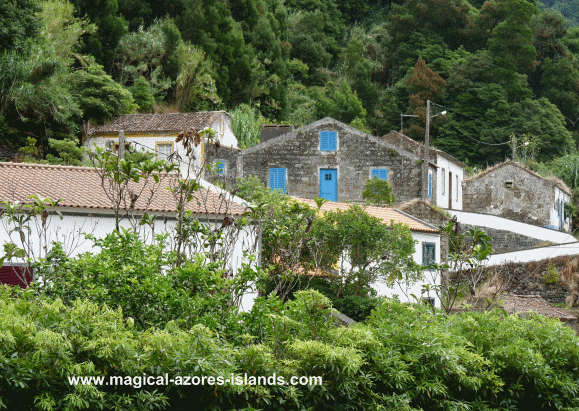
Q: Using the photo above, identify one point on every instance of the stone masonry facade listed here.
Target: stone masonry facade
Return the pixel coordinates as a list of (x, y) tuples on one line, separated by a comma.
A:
[(230, 156), (510, 191), (356, 155)]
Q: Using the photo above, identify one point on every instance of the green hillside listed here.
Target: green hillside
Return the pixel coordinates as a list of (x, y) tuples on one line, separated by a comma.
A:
[(498, 68)]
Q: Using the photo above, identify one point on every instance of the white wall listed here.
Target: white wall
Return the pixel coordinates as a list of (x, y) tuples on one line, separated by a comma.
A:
[(534, 254), (69, 228), (449, 166), (224, 132), (500, 223), (404, 291), (554, 214)]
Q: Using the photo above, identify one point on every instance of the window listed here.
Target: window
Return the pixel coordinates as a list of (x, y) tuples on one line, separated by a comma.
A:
[(429, 185), (221, 167), (443, 181), (508, 184), (428, 253), (277, 179), (116, 147), (164, 150), (381, 173), (328, 140)]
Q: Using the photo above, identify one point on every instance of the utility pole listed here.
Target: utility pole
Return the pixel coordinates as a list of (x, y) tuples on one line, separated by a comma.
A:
[(121, 145), (426, 158)]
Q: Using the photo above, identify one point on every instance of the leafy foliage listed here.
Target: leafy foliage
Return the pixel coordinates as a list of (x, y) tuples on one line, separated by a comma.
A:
[(378, 192)]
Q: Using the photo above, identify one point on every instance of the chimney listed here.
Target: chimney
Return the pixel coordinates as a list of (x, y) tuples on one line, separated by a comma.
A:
[(269, 131)]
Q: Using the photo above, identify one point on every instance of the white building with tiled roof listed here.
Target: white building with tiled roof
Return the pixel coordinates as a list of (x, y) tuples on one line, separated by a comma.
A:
[(427, 248), (87, 207), (157, 133)]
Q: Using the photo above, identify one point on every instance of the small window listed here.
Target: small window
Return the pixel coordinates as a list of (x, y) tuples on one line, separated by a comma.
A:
[(443, 181), (221, 167), (116, 147), (164, 150), (381, 173), (328, 140), (277, 179), (428, 253), (508, 184)]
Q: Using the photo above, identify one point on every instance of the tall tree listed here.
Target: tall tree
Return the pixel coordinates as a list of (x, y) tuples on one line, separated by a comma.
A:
[(18, 21)]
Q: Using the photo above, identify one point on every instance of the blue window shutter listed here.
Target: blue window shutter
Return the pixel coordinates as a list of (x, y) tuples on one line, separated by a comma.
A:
[(328, 140), (221, 166), (430, 185), (272, 175), (381, 173), (324, 140), (281, 179), (333, 140)]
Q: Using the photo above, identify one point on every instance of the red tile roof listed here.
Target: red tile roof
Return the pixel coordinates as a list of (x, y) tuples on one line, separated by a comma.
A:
[(386, 214), (80, 187), (176, 122)]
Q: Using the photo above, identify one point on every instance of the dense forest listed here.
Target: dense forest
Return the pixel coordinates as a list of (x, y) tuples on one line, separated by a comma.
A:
[(502, 70)]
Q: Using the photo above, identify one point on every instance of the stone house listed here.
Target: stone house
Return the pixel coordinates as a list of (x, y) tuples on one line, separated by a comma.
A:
[(157, 133), (427, 248), (86, 207), (512, 191), (332, 160)]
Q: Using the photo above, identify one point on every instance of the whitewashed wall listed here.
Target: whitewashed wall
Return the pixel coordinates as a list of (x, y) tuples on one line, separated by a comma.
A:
[(554, 215), (69, 228), (404, 291), (534, 254), (442, 196), (500, 223)]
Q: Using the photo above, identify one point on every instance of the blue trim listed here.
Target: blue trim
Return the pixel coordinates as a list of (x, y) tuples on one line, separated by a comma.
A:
[(328, 140), (277, 179), (429, 185), (221, 167), (381, 173), (329, 184)]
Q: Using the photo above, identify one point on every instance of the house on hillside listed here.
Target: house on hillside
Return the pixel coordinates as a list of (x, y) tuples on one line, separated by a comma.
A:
[(427, 248), (449, 171), (157, 133), (86, 207), (333, 160), (512, 191)]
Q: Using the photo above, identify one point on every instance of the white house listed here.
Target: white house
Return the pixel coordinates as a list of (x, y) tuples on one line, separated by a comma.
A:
[(446, 179), (427, 249), (86, 206), (157, 133)]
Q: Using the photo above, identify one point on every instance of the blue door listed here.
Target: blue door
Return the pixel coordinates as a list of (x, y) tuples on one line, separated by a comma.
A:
[(329, 184)]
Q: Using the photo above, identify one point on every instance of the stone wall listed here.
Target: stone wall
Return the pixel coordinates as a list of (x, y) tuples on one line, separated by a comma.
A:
[(510, 191), (356, 155), (426, 212), (553, 279), (230, 156), (505, 241)]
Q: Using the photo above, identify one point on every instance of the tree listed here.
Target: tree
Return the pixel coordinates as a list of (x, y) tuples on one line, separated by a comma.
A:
[(18, 22), (98, 95), (378, 192), (423, 84), (143, 94), (365, 250)]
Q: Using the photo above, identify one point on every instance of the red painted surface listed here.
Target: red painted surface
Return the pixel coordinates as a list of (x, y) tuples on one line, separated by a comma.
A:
[(13, 275)]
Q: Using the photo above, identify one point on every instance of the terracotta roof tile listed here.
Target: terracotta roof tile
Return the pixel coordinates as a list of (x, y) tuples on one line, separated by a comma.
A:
[(386, 214), (158, 122), (80, 187)]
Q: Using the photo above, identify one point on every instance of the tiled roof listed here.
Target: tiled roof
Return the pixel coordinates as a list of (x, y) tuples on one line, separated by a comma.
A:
[(158, 122), (553, 180), (80, 187), (386, 214), (396, 138)]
